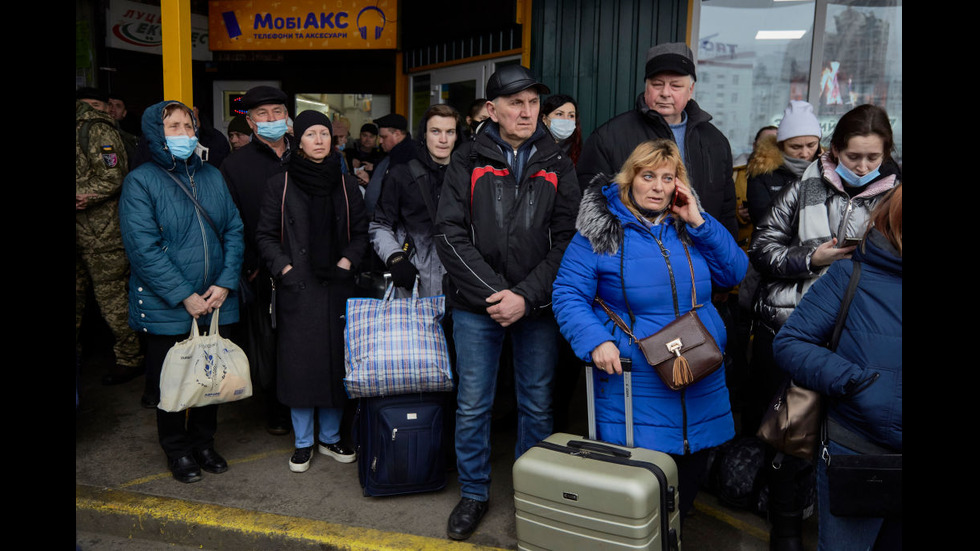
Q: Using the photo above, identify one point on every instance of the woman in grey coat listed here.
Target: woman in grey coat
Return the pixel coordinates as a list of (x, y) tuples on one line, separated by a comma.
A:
[(312, 234)]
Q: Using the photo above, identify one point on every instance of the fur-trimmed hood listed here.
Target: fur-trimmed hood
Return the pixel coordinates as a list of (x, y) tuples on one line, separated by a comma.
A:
[(768, 158), (602, 218)]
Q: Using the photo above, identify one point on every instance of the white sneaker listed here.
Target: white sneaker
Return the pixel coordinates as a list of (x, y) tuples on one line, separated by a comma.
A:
[(339, 452), (301, 459)]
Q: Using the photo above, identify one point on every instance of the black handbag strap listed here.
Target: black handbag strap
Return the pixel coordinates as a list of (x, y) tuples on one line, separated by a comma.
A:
[(193, 199), (673, 286), (853, 441), (845, 305)]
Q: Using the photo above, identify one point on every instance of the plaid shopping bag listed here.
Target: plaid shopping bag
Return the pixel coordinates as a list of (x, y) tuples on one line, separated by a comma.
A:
[(396, 346)]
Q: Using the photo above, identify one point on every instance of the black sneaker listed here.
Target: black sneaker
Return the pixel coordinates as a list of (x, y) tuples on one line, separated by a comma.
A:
[(339, 451), (300, 461), (465, 518)]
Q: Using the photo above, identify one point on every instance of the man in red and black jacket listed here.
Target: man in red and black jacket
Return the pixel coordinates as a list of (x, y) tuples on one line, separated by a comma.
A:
[(506, 214)]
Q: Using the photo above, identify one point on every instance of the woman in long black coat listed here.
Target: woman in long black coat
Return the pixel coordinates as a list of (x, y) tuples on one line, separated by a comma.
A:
[(312, 234)]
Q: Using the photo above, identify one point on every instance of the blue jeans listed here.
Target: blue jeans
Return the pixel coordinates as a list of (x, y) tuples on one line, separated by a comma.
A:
[(841, 533), (479, 340), (303, 425)]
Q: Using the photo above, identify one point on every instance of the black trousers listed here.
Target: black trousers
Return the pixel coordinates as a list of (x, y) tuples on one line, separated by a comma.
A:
[(180, 432)]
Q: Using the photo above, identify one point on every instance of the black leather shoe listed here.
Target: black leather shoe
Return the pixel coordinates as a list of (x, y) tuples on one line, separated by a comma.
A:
[(185, 469), (149, 402), (211, 461), (465, 518), (121, 374)]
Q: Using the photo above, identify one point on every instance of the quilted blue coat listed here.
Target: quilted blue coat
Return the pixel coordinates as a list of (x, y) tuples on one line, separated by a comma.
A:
[(615, 254), (863, 378), (173, 251)]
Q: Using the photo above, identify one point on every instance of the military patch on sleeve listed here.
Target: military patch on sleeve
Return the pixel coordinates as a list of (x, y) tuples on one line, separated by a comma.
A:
[(109, 156)]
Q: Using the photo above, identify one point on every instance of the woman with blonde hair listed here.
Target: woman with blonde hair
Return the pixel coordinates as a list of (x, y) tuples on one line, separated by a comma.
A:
[(642, 243)]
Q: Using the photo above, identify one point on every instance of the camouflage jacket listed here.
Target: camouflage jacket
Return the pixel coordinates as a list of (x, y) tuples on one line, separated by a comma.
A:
[(100, 169)]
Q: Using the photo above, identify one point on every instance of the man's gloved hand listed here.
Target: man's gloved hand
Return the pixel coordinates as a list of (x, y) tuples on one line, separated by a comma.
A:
[(403, 273)]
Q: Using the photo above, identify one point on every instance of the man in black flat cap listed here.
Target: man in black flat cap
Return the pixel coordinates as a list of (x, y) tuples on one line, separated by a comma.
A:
[(247, 171), (392, 131), (665, 110), (506, 213)]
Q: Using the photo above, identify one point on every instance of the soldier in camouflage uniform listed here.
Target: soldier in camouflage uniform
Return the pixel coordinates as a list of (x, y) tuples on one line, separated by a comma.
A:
[(100, 260)]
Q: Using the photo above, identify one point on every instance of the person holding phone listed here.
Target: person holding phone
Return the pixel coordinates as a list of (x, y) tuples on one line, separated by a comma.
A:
[(630, 252), (805, 231)]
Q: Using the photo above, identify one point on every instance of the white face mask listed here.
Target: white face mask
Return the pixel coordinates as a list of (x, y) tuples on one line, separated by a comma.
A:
[(562, 128)]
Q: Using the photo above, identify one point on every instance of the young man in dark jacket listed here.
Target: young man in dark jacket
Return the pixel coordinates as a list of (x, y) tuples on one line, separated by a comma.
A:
[(665, 110), (506, 214)]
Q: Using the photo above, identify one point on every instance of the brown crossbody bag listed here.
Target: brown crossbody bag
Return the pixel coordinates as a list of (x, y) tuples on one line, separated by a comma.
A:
[(683, 352)]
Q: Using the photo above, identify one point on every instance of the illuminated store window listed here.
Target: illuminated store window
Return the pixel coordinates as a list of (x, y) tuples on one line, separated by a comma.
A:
[(756, 55)]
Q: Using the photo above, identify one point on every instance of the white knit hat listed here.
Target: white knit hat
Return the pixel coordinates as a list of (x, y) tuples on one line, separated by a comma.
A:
[(798, 120)]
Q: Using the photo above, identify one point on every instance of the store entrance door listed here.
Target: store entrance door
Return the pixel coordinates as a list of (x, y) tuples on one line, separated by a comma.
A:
[(458, 85)]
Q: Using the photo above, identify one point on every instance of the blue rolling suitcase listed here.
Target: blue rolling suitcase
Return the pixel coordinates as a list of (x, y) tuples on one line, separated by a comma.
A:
[(399, 443)]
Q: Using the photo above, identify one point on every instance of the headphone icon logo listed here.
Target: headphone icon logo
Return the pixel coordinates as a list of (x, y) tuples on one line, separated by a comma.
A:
[(377, 28)]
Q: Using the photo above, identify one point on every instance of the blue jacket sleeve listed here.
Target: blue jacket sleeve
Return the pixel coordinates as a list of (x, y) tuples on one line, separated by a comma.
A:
[(800, 347), (144, 245), (726, 260), (573, 293)]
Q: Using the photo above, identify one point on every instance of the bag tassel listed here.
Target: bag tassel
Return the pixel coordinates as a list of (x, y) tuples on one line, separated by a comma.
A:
[(682, 371)]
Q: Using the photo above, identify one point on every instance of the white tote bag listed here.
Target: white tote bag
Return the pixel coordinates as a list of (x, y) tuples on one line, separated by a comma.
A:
[(204, 370)]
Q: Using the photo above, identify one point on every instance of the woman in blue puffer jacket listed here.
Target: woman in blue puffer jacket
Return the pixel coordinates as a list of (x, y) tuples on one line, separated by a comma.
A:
[(183, 269), (628, 251), (863, 377)]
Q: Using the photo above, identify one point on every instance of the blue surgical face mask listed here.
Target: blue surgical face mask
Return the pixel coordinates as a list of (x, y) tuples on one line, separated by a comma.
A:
[(271, 131), (854, 180), (562, 128), (182, 146)]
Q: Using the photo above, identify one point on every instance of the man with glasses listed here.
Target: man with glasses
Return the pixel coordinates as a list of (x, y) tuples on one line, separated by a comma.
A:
[(247, 171)]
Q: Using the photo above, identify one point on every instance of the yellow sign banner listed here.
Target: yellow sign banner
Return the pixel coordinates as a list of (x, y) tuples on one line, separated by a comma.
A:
[(303, 25)]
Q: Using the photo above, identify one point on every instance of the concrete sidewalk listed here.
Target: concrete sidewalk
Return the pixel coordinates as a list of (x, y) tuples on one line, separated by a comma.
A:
[(123, 489)]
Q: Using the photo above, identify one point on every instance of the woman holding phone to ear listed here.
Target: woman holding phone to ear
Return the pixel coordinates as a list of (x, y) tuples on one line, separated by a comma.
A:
[(807, 228), (631, 250)]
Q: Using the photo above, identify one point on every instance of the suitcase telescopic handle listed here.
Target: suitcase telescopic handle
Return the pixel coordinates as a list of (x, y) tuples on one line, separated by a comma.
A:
[(599, 448)]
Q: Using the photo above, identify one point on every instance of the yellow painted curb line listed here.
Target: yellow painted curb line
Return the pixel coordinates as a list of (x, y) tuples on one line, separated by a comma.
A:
[(728, 519), (255, 524)]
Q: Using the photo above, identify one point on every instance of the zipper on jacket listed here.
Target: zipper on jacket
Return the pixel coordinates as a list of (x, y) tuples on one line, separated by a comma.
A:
[(687, 445), (846, 216), (200, 223)]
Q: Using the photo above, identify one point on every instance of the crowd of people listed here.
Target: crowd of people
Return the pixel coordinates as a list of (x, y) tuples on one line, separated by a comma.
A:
[(536, 238)]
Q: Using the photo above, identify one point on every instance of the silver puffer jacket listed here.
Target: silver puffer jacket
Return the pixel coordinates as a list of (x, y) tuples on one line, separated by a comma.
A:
[(781, 248)]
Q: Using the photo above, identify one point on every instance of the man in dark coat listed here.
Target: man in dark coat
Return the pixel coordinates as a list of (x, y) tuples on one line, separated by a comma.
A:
[(247, 171), (506, 213), (665, 110)]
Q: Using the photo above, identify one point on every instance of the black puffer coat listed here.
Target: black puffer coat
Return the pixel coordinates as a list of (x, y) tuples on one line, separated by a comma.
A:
[(708, 162)]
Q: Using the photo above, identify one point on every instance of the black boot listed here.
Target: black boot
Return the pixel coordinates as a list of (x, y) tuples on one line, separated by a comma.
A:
[(786, 532)]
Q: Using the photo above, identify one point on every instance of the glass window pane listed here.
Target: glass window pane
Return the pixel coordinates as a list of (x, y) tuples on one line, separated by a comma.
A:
[(862, 61), (753, 57)]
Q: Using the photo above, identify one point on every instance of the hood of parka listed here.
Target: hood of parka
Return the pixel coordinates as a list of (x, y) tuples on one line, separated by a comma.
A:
[(156, 141)]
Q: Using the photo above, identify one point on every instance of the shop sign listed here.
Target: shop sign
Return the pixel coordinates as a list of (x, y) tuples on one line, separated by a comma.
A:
[(135, 26), (303, 25)]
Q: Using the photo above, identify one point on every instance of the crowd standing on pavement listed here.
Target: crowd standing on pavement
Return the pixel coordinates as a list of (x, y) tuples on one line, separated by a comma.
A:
[(521, 224)]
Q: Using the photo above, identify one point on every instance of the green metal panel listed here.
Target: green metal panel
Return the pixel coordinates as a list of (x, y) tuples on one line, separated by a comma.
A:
[(594, 50)]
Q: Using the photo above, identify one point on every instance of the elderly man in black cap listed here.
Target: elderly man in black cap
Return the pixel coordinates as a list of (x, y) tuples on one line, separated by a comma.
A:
[(247, 172), (506, 213), (665, 110)]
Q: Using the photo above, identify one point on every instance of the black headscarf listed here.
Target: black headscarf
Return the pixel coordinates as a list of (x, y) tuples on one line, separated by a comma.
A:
[(318, 181)]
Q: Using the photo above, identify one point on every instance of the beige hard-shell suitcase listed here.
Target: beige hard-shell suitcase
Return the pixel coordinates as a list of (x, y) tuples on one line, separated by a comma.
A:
[(575, 493)]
